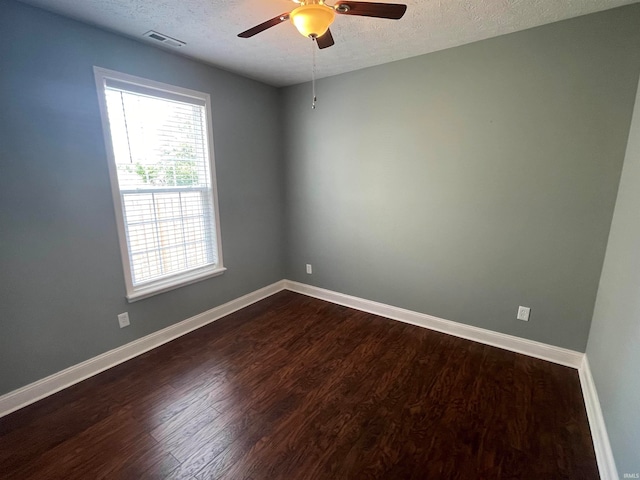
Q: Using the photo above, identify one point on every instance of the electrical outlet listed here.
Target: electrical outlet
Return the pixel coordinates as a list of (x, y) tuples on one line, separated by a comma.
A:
[(309, 269), (123, 319), (523, 313)]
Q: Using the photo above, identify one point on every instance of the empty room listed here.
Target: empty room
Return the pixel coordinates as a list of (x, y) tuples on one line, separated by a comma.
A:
[(319, 241)]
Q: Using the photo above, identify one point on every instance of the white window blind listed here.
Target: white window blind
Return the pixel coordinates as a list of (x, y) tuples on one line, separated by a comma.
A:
[(160, 150)]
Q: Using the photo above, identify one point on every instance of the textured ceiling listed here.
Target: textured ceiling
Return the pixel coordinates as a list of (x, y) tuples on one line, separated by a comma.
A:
[(281, 56)]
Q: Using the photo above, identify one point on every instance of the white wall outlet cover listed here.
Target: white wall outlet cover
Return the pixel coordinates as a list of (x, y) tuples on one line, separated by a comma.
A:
[(309, 269), (123, 319), (523, 313)]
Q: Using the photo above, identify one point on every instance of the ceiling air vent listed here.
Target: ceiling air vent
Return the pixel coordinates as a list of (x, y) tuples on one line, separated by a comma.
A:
[(159, 37)]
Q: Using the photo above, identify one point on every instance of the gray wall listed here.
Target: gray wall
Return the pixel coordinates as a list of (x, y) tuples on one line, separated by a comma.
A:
[(613, 349), (469, 181), (61, 279)]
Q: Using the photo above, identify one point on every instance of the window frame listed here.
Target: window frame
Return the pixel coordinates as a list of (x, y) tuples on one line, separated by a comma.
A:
[(180, 279)]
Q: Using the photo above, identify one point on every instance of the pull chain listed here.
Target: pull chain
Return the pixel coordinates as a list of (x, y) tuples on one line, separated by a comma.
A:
[(313, 72)]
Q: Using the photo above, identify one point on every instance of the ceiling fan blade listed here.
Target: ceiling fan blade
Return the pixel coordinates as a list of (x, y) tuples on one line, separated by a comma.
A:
[(393, 11), (325, 40), (263, 26)]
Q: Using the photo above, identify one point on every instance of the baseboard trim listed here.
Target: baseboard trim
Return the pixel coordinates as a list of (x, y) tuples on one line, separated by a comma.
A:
[(604, 454), (539, 350), (40, 389)]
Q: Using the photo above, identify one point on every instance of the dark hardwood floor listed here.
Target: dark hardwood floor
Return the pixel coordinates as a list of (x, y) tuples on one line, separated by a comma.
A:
[(297, 388)]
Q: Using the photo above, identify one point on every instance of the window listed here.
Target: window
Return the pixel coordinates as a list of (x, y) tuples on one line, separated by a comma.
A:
[(158, 141)]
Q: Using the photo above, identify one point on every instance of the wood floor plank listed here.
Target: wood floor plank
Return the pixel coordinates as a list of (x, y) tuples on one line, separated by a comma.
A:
[(321, 395), (296, 388)]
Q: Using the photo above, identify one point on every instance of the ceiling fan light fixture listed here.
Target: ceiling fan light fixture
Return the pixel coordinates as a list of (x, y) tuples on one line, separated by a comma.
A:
[(313, 20)]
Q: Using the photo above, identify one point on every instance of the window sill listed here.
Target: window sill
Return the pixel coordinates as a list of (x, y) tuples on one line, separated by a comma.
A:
[(168, 284)]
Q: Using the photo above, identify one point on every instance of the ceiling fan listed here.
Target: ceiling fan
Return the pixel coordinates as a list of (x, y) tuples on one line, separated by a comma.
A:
[(313, 17)]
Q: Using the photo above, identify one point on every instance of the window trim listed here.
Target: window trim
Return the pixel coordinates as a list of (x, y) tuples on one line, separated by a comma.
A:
[(170, 282)]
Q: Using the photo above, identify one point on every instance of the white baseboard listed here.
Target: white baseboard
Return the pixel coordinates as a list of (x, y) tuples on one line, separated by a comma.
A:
[(604, 454), (33, 392), (543, 351)]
